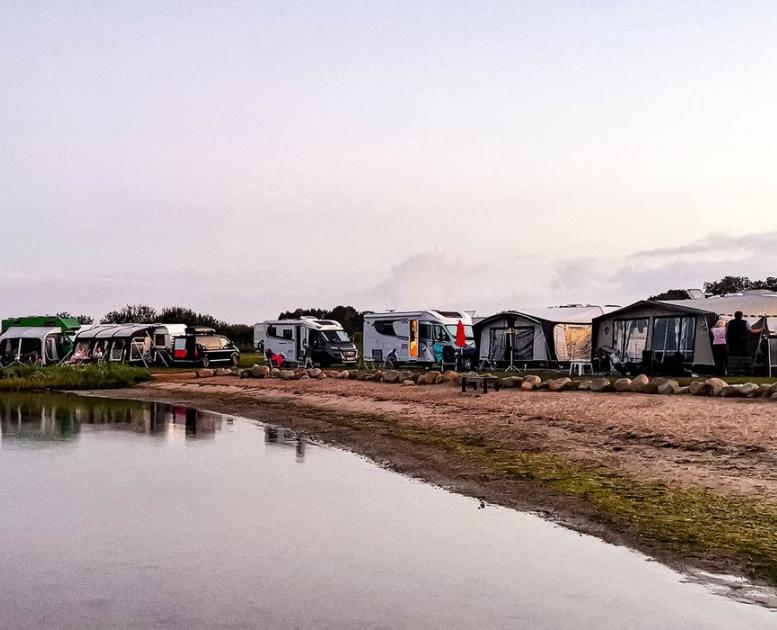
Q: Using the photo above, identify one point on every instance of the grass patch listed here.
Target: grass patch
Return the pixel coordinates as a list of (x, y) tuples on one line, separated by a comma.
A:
[(92, 376), (689, 522)]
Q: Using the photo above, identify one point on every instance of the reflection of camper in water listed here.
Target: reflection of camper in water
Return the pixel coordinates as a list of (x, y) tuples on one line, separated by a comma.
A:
[(286, 437)]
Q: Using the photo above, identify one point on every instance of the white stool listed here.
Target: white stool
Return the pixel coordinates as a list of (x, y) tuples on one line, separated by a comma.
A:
[(580, 368)]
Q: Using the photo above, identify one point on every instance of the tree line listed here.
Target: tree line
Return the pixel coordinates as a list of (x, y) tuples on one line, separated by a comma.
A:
[(723, 286)]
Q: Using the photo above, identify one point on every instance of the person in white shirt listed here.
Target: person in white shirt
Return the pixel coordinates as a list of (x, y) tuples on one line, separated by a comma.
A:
[(719, 348)]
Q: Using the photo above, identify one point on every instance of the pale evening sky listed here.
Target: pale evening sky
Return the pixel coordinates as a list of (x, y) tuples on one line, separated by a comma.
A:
[(244, 158)]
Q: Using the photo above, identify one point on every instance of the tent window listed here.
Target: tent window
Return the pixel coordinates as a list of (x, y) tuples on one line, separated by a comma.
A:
[(51, 348), (117, 350), (522, 342), (629, 337), (573, 342), (673, 335)]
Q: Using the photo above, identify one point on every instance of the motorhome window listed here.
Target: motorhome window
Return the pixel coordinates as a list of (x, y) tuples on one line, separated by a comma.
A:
[(271, 331), (440, 335), (469, 334), (336, 336), (629, 337), (425, 331), (288, 334), (385, 328), (673, 335)]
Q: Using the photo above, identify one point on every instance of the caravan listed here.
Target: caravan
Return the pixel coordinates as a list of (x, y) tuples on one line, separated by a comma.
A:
[(417, 337), (323, 341)]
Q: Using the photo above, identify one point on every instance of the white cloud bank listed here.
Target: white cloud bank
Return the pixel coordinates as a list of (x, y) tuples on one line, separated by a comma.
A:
[(432, 278)]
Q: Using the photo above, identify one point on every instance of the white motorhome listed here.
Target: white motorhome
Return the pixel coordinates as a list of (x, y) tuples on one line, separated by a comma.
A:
[(324, 339), (425, 337)]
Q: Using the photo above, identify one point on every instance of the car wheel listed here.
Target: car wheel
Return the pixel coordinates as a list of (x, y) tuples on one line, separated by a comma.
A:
[(205, 360), (235, 359)]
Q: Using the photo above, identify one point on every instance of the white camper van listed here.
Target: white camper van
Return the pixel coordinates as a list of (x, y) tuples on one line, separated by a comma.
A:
[(419, 337), (324, 339)]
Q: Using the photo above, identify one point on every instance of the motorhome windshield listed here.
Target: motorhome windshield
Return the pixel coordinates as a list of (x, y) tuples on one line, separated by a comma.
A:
[(468, 332), (336, 336)]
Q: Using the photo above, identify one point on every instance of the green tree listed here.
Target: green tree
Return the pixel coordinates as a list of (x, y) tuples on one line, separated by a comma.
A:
[(131, 314)]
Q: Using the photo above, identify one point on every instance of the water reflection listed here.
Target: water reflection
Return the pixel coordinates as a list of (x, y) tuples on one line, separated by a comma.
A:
[(61, 417), (286, 437)]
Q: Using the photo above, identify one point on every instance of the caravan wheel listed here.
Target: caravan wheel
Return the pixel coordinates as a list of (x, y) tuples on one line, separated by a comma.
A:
[(234, 359), (205, 360)]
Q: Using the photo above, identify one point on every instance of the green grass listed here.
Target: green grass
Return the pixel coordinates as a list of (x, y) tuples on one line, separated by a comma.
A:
[(92, 376)]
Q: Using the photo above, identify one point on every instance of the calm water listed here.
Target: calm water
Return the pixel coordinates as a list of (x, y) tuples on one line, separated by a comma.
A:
[(128, 515)]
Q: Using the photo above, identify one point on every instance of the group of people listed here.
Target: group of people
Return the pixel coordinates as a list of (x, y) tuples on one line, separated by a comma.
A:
[(732, 338)]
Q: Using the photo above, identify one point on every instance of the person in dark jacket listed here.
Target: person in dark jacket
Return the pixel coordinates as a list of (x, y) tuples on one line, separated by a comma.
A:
[(738, 334)]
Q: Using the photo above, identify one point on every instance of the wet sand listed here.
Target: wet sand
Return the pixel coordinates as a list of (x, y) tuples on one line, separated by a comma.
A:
[(725, 446)]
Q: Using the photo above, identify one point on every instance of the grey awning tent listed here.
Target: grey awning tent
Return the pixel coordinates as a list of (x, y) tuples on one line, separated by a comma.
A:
[(652, 330), (537, 336)]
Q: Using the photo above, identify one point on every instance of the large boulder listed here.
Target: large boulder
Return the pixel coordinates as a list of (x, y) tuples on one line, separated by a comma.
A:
[(601, 385), (622, 385), (716, 383), (772, 389), (275, 373), (205, 373), (750, 390), (699, 388), (584, 386), (406, 375), (639, 382), (432, 377), (451, 376), (260, 371), (287, 375), (528, 385), (682, 390), (407, 383), (224, 372), (533, 379), (558, 384), (316, 373), (506, 382), (343, 374), (390, 376), (730, 391), (669, 386)]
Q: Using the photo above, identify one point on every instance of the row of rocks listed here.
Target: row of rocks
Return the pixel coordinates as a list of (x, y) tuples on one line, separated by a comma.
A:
[(640, 384)]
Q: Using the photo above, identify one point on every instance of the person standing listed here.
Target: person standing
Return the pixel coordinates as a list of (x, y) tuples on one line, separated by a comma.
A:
[(719, 348), (738, 334)]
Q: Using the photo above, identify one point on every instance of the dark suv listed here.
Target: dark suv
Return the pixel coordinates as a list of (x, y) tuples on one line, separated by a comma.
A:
[(205, 347)]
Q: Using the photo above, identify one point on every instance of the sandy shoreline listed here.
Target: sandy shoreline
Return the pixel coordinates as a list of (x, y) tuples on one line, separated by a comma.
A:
[(726, 447)]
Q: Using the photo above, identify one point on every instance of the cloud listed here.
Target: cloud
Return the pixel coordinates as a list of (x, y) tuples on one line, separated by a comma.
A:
[(426, 279)]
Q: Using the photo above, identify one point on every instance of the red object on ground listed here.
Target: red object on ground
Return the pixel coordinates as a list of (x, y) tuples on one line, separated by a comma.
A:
[(277, 360), (461, 337)]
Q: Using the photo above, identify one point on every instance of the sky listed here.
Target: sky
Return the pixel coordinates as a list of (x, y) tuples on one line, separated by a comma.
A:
[(245, 158)]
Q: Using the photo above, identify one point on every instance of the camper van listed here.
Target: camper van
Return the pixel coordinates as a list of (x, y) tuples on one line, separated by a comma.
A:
[(36, 340), (324, 340), (203, 346), (418, 337)]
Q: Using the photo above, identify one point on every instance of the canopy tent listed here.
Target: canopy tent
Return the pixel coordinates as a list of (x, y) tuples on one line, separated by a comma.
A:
[(541, 337), (30, 344), (130, 343), (674, 335)]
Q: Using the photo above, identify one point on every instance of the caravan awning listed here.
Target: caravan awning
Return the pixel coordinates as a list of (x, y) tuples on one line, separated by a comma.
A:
[(34, 332), (114, 331)]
